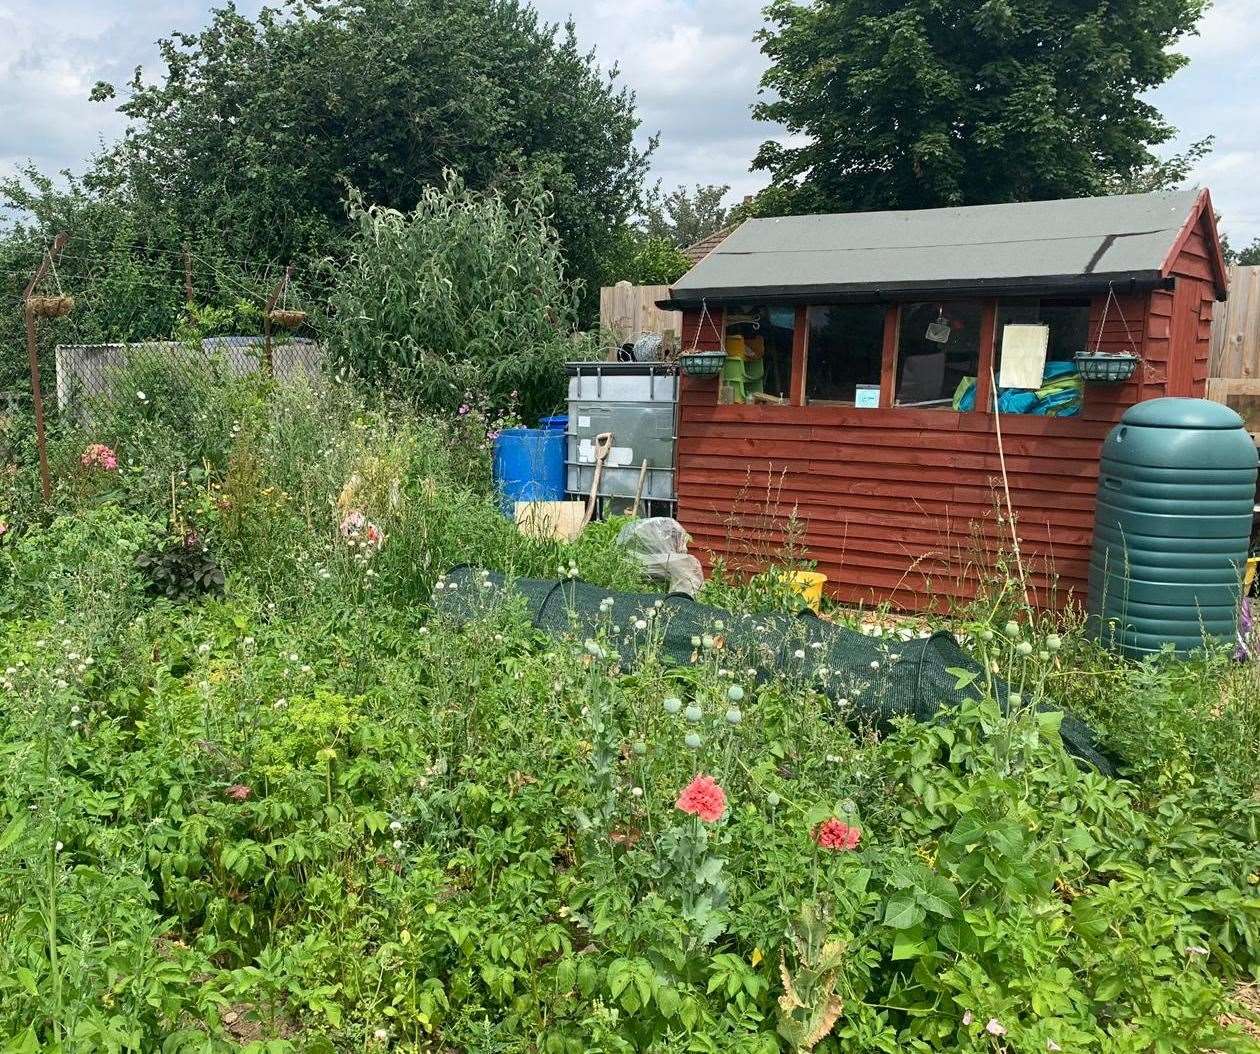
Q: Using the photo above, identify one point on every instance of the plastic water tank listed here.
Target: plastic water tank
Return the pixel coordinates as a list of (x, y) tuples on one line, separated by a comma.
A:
[(528, 466), (1176, 489), (555, 423)]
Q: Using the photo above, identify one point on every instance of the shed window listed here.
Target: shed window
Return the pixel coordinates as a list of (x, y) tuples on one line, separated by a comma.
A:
[(938, 352), (758, 354), (1060, 393), (845, 350), (1068, 321)]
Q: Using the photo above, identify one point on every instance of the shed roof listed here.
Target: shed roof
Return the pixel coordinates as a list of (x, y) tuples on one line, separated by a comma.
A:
[(697, 251), (1079, 244)]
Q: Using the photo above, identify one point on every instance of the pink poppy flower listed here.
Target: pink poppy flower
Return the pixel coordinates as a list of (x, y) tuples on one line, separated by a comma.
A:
[(836, 835), (702, 797), (238, 792)]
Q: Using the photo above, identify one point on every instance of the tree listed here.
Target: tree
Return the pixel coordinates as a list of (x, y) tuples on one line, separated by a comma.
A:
[(1247, 256), (258, 127), (915, 104), (684, 218), (124, 265), (642, 259)]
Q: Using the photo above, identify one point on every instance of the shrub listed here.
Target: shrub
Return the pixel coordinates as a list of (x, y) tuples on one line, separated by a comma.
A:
[(467, 293)]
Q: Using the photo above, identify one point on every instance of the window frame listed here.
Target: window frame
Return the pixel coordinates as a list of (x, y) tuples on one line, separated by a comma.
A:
[(986, 363)]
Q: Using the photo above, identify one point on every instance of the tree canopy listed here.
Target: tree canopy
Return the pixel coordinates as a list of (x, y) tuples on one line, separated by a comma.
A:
[(258, 127), (917, 104), (684, 217)]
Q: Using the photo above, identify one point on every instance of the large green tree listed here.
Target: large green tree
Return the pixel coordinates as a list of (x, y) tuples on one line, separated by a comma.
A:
[(922, 103), (258, 127), (683, 216)]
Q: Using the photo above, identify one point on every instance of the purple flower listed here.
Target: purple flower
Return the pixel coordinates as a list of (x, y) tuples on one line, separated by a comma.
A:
[(464, 409)]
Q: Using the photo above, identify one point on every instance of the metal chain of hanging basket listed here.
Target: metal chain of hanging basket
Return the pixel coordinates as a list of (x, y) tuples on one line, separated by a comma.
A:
[(51, 306), (695, 363), (1105, 367)]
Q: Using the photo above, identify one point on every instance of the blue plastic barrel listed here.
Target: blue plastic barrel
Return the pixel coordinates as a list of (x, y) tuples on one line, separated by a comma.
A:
[(559, 423), (528, 466)]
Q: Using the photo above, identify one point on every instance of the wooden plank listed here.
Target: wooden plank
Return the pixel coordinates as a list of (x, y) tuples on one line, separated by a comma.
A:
[(1235, 346), (800, 331), (888, 360), (628, 311), (986, 366)]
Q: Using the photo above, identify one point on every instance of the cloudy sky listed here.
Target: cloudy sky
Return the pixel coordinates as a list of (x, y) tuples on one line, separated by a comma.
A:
[(692, 63)]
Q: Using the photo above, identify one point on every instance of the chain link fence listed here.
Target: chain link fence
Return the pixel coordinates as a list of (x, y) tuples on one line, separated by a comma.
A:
[(83, 385), (89, 375)]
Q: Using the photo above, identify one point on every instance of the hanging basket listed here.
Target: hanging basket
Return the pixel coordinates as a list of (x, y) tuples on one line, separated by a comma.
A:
[(1099, 368), (50, 306), (702, 363), (287, 319)]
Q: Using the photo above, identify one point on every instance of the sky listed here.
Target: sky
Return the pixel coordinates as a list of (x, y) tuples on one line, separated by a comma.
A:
[(692, 63)]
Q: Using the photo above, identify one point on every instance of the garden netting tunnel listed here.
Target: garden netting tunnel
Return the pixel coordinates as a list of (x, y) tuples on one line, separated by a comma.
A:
[(873, 679)]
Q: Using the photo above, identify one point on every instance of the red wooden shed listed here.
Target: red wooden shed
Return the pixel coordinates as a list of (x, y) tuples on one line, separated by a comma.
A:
[(876, 385)]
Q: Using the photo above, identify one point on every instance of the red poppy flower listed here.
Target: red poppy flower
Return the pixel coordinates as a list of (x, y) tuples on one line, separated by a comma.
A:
[(703, 797), (837, 836)]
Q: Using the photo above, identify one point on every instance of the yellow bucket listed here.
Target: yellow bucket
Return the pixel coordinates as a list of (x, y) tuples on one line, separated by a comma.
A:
[(1249, 576), (809, 584)]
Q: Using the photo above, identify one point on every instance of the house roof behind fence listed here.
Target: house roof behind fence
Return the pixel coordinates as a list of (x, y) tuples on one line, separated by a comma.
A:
[(1081, 244)]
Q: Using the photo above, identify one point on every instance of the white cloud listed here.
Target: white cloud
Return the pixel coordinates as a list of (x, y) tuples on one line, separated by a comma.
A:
[(693, 64), (1230, 28)]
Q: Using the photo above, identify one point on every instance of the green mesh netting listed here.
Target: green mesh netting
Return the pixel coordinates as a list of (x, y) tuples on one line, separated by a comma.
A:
[(876, 678)]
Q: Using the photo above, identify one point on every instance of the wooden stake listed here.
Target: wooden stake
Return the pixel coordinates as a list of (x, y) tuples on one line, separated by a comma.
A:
[(271, 306), (638, 490), (32, 353)]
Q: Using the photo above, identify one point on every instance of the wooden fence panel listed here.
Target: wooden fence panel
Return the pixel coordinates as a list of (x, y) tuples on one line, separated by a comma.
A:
[(1236, 327), (629, 311)]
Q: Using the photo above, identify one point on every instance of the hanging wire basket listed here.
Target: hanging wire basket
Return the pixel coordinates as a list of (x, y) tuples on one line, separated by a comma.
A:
[(50, 306), (702, 363), (287, 319), (1096, 367)]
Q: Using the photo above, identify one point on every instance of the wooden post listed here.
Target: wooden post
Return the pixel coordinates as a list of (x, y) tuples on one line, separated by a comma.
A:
[(987, 363), (800, 334), (271, 306), (32, 354), (888, 365)]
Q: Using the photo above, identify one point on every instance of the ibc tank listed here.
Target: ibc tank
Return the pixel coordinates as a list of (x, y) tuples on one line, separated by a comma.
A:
[(528, 466), (1176, 489)]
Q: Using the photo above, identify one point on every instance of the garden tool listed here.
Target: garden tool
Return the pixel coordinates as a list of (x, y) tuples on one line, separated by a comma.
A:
[(603, 444)]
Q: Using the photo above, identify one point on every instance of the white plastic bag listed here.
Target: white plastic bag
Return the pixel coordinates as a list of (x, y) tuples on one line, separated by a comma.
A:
[(659, 546)]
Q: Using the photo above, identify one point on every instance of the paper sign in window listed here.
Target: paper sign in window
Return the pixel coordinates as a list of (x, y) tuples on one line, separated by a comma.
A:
[(1023, 355)]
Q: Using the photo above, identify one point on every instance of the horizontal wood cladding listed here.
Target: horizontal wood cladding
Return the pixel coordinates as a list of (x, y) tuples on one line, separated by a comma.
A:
[(905, 506)]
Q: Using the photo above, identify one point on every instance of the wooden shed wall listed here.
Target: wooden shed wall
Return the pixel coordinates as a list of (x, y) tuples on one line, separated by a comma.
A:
[(900, 505)]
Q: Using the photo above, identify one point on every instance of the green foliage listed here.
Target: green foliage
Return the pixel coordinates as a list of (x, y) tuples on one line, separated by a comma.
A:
[(684, 218), (181, 568), (643, 260), (1247, 256), (466, 294), (309, 814), (907, 104), (125, 267), (381, 95)]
